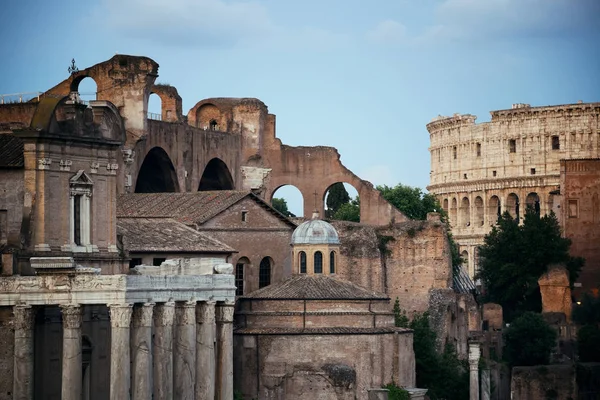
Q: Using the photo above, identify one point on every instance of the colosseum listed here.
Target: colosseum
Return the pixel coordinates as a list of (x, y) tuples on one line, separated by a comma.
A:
[(478, 171)]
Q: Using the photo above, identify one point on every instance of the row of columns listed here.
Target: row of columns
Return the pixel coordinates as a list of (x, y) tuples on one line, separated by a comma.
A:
[(178, 362)]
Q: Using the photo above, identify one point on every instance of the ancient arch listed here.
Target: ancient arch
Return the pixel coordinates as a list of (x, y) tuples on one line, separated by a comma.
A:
[(293, 197), (533, 200), (216, 176), (445, 205), (494, 210), (265, 272), (157, 173), (85, 86), (512, 205), (155, 107), (453, 211), (208, 116), (465, 212), (478, 217), (465, 260), (352, 196)]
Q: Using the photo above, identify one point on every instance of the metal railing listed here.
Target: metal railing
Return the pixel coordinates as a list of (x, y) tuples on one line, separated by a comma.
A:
[(155, 116), (14, 98)]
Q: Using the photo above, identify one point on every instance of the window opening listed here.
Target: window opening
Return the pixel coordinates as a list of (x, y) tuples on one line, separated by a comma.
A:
[(332, 262), (244, 216), (512, 146), (302, 262), (478, 149), (555, 143), (239, 279), (213, 125), (318, 262), (157, 261), (454, 152), (134, 262), (77, 219), (493, 173), (264, 273)]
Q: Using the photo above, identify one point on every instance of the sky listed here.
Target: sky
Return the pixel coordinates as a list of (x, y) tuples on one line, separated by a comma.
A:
[(364, 77)]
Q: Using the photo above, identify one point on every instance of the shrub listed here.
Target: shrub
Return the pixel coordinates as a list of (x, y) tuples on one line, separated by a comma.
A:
[(529, 341), (396, 392)]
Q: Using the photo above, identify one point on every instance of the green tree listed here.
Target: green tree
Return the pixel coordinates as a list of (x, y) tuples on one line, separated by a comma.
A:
[(514, 256), (400, 317), (396, 392), (281, 205), (337, 197), (410, 200), (529, 340), (348, 211)]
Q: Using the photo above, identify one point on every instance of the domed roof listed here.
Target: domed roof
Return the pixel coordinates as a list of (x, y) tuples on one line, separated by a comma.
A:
[(315, 231)]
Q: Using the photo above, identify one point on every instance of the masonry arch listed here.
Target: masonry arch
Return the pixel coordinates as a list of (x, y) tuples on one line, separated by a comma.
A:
[(341, 195), (157, 173), (208, 117), (479, 214), (265, 272), (86, 87), (453, 211), (494, 210), (216, 176), (464, 255), (241, 270), (533, 201), (155, 107), (445, 205), (465, 212), (512, 205), (293, 198)]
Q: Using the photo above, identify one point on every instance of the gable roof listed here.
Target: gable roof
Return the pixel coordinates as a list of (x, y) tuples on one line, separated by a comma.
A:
[(188, 207), (11, 151), (166, 235), (315, 287)]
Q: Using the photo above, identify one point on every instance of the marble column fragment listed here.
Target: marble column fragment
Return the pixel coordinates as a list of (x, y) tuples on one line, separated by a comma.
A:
[(141, 352), (120, 374), (205, 351), (71, 357), (184, 351), (162, 350), (23, 354), (474, 354), (224, 314)]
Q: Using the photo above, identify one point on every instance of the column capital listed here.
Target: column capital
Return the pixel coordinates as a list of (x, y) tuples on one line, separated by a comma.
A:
[(184, 313), (142, 315), (71, 315), (120, 315), (24, 317), (225, 313), (164, 314), (205, 312)]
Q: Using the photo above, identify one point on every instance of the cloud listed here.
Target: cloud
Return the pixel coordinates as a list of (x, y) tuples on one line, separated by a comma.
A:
[(388, 31)]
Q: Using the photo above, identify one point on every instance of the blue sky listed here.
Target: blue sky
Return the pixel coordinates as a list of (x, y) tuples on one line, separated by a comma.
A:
[(365, 77)]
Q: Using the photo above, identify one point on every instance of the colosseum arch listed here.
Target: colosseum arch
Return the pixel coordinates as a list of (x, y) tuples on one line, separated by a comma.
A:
[(157, 173), (208, 117), (533, 200), (494, 210), (453, 212), (479, 213), (216, 176), (445, 205), (465, 212), (512, 205)]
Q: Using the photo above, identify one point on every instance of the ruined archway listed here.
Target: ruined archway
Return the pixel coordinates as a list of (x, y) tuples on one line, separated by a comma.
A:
[(208, 117), (512, 205), (533, 201), (453, 212), (86, 87), (478, 217), (155, 107), (288, 197), (157, 173), (494, 210), (341, 201), (216, 176), (465, 212)]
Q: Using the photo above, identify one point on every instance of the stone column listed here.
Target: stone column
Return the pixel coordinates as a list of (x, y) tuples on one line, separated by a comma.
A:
[(485, 384), (120, 318), (184, 351), (225, 351), (474, 354), (162, 350), (71, 357), (205, 351), (24, 322), (141, 352)]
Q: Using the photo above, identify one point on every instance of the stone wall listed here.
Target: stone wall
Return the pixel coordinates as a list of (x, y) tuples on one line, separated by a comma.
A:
[(514, 159), (7, 345), (11, 206), (544, 382)]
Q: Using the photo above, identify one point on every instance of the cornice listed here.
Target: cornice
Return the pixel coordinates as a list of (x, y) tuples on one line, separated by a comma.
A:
[(495, 184)]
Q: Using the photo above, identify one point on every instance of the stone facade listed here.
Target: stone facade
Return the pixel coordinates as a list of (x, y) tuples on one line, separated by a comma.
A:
[(481, 170)]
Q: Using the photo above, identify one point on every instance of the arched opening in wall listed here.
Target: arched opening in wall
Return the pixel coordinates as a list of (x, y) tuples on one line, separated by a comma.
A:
[(302, 262), (157, 173), (551, 201), (288, 200), (208, 117), (332, 262), (494, 210), (478, 211), (216, 176), (465, 212), (512, 205), (464, 255), (240, 274), (445, 205), (532, 202), (154, 107), (264, 272), (453, 212), (318, 262), (86, 87), (342, 202)]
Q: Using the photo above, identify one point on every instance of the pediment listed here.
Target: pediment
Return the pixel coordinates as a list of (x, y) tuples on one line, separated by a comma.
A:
[(81, 178)]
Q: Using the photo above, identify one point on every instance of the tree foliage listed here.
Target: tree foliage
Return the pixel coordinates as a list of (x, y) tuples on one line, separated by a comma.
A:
[(529, 340), (336, 198), (410, 200), (348, 211), (514, 256), (587, 314), (281, 205), (396, 392)]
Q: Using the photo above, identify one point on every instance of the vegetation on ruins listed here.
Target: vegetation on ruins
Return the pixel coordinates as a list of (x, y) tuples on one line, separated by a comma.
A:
[(337, 196), (587, 314), (514, 256), (444, 375), (281, 205), (349, 211), (396, 392), (529, 340)]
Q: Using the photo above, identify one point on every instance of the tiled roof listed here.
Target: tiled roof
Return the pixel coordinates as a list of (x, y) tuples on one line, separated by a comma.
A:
[(319, 331), (189, 207), (315, 287), (166, 235), (11, 151)]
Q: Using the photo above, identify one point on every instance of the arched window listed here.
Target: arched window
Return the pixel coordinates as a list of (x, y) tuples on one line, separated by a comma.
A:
[(239, 279), (302, 262), (318, 262), (264, 273), (332, 262)]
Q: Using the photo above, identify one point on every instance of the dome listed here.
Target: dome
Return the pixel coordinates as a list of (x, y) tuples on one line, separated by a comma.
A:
[(315, 231)]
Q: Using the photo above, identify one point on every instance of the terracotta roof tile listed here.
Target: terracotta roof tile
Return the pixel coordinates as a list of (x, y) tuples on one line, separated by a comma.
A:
[(166, 235), (188, 207), (315, 287), (11, 151), (320, 331)]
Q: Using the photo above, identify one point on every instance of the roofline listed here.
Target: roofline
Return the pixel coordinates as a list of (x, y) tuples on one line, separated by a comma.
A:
[(309, 332), (249, 297)]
